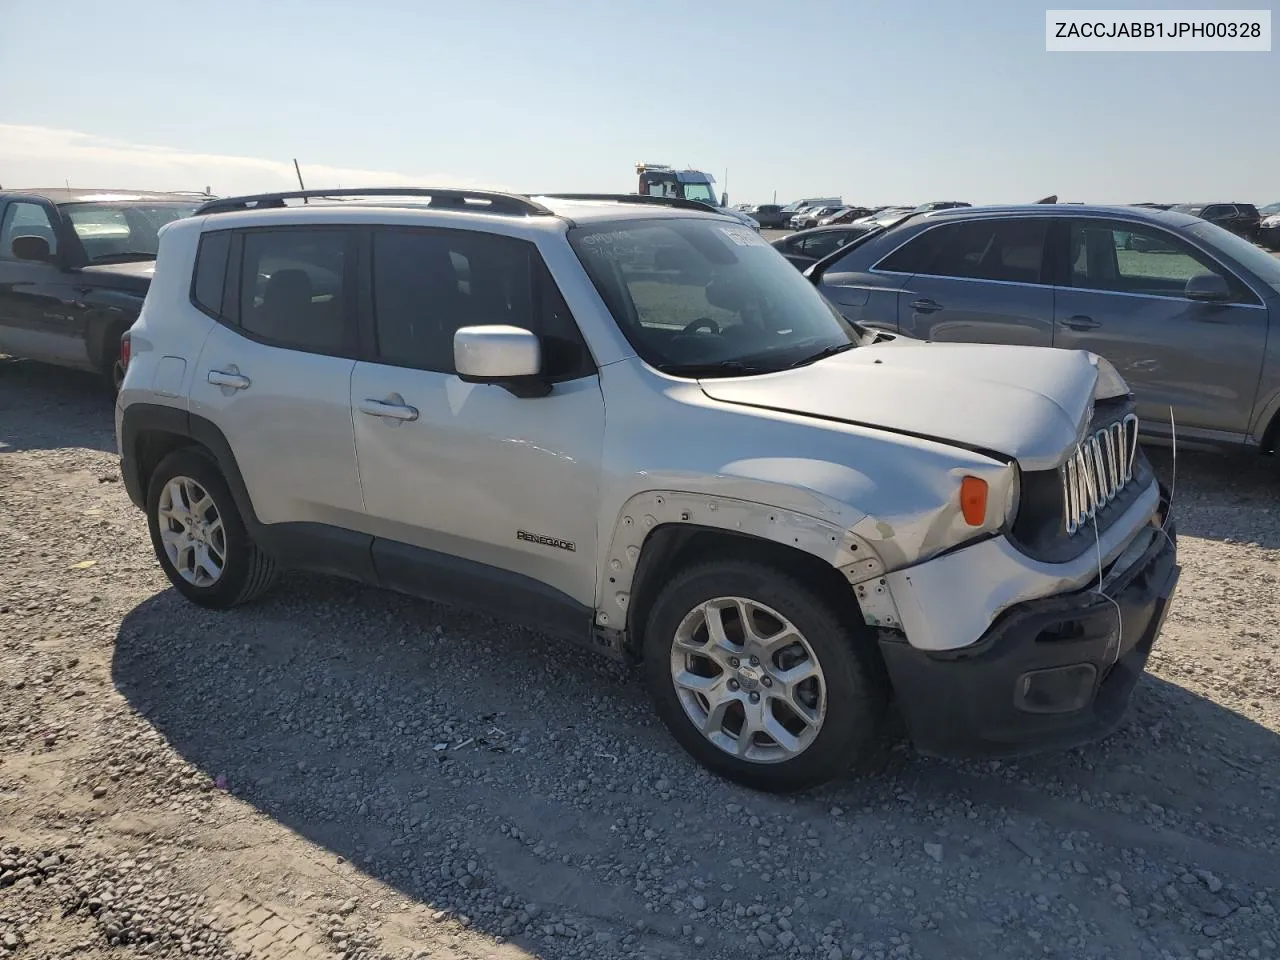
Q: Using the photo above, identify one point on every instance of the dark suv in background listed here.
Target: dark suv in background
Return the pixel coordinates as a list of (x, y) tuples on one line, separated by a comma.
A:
[(74, 269), (1188, 312), (770, 216), (1240, 218)]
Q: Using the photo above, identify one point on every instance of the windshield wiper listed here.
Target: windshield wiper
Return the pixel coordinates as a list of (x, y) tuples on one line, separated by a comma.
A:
[(822, 354), (727, 368), (125, 257)]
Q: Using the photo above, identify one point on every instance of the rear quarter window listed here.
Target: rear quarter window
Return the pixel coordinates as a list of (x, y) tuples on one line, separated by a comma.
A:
[(210, 275)]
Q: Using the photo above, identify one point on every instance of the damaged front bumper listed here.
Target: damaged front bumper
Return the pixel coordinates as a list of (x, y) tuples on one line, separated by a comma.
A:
[(1049, 673)]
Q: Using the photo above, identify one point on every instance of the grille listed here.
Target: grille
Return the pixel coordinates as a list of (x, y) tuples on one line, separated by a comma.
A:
[(1098, 471)]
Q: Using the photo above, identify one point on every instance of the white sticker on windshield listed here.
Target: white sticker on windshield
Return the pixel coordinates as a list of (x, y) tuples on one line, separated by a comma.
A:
[(742, 236)]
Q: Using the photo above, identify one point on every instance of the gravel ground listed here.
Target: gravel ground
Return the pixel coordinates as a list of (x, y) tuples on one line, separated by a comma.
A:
[(339, 771)]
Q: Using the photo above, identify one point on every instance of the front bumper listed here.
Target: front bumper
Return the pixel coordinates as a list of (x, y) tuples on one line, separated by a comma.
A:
[(1050, 673)]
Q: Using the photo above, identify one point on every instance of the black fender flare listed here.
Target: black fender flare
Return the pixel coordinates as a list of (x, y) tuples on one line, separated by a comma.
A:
[(175, 427)]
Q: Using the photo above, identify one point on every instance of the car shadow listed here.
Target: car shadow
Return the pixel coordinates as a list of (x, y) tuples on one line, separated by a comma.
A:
[(1226, 496), (409, 738), (47, 408)]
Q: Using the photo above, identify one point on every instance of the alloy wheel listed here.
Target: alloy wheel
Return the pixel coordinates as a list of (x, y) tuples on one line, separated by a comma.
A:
[(748, 680), (192, 532)]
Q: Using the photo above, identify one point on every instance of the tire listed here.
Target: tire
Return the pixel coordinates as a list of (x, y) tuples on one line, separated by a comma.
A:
[(852, 709), (246, 571)]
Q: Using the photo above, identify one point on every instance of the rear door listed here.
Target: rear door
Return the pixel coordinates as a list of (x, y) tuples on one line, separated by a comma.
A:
[(976, 281), (1123, 299), (275, 372)]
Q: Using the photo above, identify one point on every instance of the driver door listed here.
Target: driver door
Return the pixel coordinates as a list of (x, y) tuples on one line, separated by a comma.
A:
[(41, 312), (1123, 300), (471, 491)]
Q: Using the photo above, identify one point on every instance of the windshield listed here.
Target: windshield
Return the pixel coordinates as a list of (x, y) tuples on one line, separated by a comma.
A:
[(1191, 208), (707, 298), (122, 231), (1253, 258), (700, 191), (1269, 209)]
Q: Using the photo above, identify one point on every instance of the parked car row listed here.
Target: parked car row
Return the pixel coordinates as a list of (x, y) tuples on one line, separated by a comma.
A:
[(1244, 219), (643, 431)]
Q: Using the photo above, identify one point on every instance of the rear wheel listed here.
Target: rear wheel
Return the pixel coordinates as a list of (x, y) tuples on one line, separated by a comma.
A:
[(199, 536), (760, 678)]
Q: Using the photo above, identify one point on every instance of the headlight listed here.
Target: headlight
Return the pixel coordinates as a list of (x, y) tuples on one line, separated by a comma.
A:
[(1110, 384)]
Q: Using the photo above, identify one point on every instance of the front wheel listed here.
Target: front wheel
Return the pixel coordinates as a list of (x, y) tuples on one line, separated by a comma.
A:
[(761, 678)]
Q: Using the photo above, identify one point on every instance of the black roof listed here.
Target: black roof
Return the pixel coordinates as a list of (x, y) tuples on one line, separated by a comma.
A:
[(83, 195)]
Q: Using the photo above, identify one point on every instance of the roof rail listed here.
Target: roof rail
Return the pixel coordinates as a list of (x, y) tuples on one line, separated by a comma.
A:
[(508, 203), (680, 202)]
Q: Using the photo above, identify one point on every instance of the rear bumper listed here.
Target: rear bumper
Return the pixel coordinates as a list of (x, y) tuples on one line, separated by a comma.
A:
[(1049, 674)]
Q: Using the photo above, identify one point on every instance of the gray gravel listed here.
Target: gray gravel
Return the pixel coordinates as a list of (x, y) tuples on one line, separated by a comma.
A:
[(399, 779)]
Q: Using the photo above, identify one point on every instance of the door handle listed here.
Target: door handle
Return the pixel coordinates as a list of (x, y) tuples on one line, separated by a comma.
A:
[(1080, 322), (925, 305), (224, 378), (393, 411)]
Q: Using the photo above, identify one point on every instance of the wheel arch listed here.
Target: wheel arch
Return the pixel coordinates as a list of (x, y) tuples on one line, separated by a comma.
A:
[(106, 324), (150, 431), (658, 531), (1270, 439)]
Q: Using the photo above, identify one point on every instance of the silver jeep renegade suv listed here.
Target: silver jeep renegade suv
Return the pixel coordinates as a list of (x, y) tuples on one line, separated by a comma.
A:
[(631, 423)]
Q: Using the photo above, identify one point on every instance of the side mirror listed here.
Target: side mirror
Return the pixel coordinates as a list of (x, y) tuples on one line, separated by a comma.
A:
[(32, 248), (510, 357), (1211, 287)]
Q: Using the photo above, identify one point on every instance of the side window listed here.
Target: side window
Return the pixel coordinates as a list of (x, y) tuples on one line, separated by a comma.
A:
[(916, 255), (819, 245), (23, 219), (293, 289), (999, 249), (211, 272), (1133, 258), (428, 283)]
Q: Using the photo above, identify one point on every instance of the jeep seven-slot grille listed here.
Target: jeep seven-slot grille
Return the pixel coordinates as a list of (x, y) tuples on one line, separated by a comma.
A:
[(1098, 471), (1100, 479)]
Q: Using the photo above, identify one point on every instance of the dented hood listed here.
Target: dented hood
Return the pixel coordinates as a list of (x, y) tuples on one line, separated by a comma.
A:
[(1026, 403)]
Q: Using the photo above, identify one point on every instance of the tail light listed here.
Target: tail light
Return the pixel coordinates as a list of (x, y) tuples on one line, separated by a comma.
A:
[(126, 350)]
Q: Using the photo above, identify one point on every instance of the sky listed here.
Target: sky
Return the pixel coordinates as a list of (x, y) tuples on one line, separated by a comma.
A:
[(877, 101)]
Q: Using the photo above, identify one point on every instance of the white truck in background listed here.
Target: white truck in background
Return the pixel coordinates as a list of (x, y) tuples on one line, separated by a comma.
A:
[(663, 180)]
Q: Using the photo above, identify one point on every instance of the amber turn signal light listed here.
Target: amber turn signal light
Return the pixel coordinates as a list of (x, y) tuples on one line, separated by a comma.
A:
[(973, 500)]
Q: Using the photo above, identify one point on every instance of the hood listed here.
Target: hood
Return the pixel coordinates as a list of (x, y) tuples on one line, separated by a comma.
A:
[(1029, 404), (135, 275)]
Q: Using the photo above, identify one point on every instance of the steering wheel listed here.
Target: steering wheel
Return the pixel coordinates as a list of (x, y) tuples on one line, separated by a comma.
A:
[(696, 325)]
